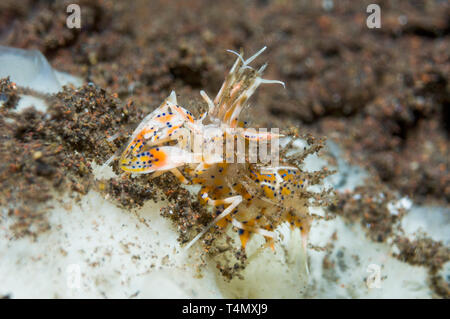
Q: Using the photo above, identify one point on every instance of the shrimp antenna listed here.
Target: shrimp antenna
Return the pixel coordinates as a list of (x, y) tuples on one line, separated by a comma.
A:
[(254, 56)]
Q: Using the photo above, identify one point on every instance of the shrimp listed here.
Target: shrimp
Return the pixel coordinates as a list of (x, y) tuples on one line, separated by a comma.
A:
[(253, 196)]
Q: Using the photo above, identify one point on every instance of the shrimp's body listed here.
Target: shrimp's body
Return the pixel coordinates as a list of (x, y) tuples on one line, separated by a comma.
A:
[(253, 197)]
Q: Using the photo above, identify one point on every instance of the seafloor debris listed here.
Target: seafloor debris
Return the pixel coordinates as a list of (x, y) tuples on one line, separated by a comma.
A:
[(8, 95), (371, 206), (47, 152)]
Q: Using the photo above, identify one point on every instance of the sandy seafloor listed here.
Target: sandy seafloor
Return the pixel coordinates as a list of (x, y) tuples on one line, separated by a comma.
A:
[(96, 248)]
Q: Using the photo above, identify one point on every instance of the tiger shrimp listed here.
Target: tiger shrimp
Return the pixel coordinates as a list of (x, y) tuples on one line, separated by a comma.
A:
[(253, 197)]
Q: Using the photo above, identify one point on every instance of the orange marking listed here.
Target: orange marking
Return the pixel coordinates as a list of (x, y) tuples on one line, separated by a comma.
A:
[(245, 236), (159, 157), (285, 191), (172, 129), (222, 223), (164, 118), (184, 114)]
